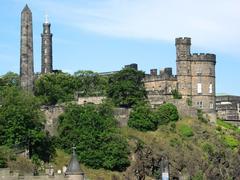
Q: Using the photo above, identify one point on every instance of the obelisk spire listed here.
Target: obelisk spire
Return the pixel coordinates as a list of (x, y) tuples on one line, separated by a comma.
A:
[(26, 50)]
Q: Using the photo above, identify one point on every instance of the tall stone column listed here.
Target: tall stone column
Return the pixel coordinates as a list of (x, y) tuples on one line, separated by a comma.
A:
[(46, 48), (26, 50)]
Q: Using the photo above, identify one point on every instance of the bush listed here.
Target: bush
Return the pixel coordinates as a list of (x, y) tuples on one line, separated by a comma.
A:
[(6, 155), (93, 130), (208, 148), (230, 141), (166, 113), (185, 130), (200, 116), (176, 94), (142, 118)]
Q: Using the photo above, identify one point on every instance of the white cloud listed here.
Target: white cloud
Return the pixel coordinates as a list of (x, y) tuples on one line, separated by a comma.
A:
[(212, 24)]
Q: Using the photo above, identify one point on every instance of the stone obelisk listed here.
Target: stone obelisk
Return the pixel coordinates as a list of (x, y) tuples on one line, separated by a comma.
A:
[(26, 50)]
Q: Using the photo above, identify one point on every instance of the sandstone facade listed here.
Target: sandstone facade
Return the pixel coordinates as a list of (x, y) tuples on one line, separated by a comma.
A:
[(195, 80)]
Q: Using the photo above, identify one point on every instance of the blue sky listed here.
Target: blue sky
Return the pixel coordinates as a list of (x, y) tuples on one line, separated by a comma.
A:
[(104, 35)]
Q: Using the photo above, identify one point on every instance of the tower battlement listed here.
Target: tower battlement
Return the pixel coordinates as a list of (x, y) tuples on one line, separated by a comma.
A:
[(183, 40), (203, 57)]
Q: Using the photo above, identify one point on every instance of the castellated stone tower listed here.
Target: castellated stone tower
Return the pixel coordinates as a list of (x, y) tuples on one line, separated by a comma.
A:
[(184, 66), (46, 47), (26, 50), (196, 77)]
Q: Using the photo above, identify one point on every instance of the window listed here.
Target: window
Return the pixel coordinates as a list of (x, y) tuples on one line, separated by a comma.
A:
[(210, 88), (45, 51), (199, 88), (199, 71), (200, 104), (211, 105)]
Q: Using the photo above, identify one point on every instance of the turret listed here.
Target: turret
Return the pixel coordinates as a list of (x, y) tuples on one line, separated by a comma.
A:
[(183, 61), (183, 46)]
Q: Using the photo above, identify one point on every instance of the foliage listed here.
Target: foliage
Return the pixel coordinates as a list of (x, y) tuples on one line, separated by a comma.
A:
[(93, 130), (9, 79), (21, 164), (226, 125), (189, 101), (90, 83), (230, 141), (6, 154), (55, 88), (176, 94), (142, 118), (126, 87), (198, 176), (208, 148), (200, 116), (21, 123), (166, 113), (185, 130)]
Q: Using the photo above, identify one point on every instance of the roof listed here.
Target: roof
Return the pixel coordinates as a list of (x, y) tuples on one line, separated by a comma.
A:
[(74, 166), (26, 8)]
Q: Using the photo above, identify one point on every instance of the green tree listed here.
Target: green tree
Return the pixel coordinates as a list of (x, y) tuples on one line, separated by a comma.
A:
[(9, 79), (21, 122), (55, 88), (142, 118), (93, 130), (166, 113), (126, 87), (90, 83)]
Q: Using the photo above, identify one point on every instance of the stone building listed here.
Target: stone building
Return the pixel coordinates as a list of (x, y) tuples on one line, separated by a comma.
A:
[(46, 47), (26, 50), (228, 108), (195, 79)]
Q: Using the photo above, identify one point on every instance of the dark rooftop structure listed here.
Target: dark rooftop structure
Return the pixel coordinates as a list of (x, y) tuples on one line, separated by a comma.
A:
[(74, 166)]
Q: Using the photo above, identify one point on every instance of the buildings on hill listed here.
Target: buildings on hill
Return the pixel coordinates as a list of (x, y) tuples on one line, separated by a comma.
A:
[(194, 79)]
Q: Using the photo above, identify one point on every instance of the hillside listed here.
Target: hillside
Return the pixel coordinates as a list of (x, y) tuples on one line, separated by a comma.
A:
[(194, 149)]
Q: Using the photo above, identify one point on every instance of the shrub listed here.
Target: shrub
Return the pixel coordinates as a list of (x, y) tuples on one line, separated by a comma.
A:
[(176, 94), (200, 116), (142, 118), (166, 113), (93, 130), (230, 141), (5, 156), (174, 142), (189, 101), (185, 130), (208, 148)]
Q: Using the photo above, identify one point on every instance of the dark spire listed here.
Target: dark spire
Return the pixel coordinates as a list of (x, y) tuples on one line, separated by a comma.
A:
[(74, 166), (26, 8)]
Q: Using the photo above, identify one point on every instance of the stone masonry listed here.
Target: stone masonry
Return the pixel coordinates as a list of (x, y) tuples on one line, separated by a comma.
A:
[(26, 50), (46, 48), (195, 79)]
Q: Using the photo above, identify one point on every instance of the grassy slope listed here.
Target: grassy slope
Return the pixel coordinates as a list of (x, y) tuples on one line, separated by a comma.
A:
[(188, 144)]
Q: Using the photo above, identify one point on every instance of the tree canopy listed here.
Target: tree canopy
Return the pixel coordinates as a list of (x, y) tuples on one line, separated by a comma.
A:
[(142, 118), (93, 130), (22, 123), (55, 88), (90, 83), (126, 87)]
